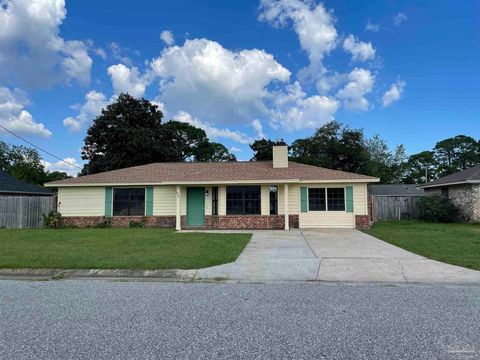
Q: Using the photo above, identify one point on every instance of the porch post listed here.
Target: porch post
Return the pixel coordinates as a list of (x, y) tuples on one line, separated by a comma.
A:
[(285, 202), (178, 219)]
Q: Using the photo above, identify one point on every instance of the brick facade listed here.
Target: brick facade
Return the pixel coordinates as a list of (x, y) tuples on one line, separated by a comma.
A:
[(119, 221), (362, 221), (465, 197), (269, 222)]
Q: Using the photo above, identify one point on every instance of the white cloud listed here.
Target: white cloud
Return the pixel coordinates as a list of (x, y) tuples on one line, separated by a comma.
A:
[(372, 27), (69, 165), (215, 84), (313, 24), (127, 80), (235, 149), (15, 118), (361, 51), (167, 37), (393, 94), (213, 132), (399, 18), (118, 53), (94, 103), (257, 126), (32, 52), (360, 82)]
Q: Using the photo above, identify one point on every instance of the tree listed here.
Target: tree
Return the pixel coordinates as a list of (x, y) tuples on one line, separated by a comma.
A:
[(185, 139), (333, 146), (457, 153), (421, 168), (212, 151), (388, 165), (128, 132), (263, 149)]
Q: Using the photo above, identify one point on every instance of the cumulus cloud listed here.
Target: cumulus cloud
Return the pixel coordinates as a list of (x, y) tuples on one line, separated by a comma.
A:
[(94, 103), (15, 118), (33, 54), (213, 132), (235, 149), (69, 165), (313, 24), (372, 27), (258, 127), (212, 83), (399, 18), (361, 51), (360, 82), (393, 94), (167, 37), (127, 80)]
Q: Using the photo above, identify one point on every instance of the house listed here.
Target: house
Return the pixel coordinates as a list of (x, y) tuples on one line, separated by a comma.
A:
[(462, 188), (278, 194), (11, 186)]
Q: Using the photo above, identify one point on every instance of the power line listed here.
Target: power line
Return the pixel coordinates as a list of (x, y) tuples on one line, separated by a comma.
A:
[(39, 148)]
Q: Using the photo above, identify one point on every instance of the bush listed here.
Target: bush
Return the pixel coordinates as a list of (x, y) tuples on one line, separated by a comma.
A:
[(436, 208), (137, 224), (52, 220), (103, 225)]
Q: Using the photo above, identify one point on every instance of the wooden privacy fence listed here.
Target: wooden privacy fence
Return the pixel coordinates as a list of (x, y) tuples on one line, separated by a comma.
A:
[(24, 212), (389, 207)]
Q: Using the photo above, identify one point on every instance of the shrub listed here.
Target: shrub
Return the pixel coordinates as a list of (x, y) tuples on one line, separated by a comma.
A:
[(52, 220), (103, 225), (137, 224), (436, 208)]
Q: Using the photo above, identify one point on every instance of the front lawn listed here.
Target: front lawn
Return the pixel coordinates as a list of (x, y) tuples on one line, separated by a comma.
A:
[(117, 248), (457, 244)]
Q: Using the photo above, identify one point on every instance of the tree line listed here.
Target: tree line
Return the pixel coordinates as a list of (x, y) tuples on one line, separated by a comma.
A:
[(131, 132)]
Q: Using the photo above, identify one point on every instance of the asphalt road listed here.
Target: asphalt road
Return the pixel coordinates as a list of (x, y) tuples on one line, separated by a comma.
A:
[(96, 319)]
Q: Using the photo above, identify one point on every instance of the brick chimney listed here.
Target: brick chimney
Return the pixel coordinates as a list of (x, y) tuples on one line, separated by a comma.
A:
[(280, 156)]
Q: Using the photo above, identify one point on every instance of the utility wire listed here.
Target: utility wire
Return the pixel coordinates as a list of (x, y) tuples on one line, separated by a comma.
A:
[(39, 148)]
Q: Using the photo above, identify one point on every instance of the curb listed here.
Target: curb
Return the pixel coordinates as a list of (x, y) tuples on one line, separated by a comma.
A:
[(57, 274)]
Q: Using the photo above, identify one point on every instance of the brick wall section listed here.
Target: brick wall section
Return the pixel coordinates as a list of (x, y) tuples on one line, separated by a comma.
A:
[(120, 221), (294, 221), (362, 222), (251, 222), (465, 197)]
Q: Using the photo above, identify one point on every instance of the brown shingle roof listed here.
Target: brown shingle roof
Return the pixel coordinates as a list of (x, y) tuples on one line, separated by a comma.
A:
[(212, 172)]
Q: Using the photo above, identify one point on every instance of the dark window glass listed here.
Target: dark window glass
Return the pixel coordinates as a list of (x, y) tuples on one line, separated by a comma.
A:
[(243, 200), (273, 200), (316, 199), (128, 201), (215, 200), (336, 199)]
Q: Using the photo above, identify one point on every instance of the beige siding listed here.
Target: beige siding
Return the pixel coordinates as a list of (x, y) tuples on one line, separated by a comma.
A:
[(222, 200), (265, 200), (81, 201), (280, 156), (336, 219), (208, 201), (164, 200)]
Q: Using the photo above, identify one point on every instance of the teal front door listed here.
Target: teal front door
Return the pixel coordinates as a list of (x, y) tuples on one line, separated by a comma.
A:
[(195, 206)]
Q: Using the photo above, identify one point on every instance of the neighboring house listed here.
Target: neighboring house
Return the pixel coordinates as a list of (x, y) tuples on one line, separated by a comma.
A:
[(278, 194), (22, 204), (462, 188), (394, 201)]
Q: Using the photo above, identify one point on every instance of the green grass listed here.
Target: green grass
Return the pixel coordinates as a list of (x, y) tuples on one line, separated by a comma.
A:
[(457, 244), (117, 248)]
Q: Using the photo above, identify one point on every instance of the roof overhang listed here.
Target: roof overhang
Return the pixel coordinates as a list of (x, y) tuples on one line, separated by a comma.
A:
[(449, 184)]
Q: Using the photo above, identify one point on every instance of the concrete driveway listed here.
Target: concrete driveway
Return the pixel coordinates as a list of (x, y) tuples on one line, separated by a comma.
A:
[(333, 255)]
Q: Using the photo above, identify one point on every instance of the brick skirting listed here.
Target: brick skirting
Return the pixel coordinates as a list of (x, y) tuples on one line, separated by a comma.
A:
[(119, 221), (362, 221)]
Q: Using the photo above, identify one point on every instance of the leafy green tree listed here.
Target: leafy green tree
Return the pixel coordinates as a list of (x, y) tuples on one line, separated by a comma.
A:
[(185, 139), (456, 153), (334, 146), (388, 165), (128, 132), (212, 151), (263, 149), (421, 168)]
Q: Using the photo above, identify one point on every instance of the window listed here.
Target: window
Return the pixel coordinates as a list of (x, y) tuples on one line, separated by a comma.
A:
[(128, 201), (336, 199), (316, 199), (243, 200), (215, 200), (273, 200)]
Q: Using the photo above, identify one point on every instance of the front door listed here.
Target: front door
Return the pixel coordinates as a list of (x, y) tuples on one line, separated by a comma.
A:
[(195, 206)]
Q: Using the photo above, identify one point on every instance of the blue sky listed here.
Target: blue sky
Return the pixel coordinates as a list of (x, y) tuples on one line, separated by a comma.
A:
[(406, 70)]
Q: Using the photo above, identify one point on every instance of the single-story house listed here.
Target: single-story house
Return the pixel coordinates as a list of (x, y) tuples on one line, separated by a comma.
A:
[(11, 186), (277, 194), (462, 188)]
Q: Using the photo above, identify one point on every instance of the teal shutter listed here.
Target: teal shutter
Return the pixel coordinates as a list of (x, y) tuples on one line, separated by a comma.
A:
[(149, 201), (349, 198), (303, 199), (108, 201)]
